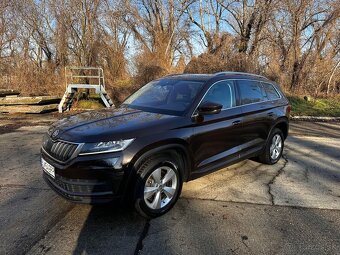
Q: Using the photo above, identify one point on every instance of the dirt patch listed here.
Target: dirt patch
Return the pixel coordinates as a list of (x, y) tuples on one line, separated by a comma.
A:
[(11, 122), (8, 128)]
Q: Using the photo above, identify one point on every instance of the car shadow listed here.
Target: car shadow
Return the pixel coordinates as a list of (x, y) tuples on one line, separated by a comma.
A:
[(110, 229)]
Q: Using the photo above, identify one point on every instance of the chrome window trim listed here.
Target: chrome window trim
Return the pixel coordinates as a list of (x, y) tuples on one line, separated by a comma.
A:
[(229, 90), (194, 112)]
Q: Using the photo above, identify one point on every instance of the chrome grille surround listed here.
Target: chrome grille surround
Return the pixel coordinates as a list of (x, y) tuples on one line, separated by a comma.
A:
[(61, 151)]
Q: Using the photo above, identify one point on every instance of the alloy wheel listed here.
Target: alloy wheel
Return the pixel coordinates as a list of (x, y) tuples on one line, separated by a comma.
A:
[(160, 187), (276, 147)]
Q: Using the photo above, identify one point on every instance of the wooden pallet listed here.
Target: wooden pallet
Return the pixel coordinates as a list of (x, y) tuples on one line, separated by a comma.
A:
[(41, 100), (29, 108), (8, 92)]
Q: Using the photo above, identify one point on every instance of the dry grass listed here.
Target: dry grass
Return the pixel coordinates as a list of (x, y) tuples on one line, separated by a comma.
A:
[(93, 103)]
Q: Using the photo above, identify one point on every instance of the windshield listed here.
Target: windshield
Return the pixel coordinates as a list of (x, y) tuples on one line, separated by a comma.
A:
[(168, 96)]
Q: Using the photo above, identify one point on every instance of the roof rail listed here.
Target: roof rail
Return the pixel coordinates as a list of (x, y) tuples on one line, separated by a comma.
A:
[(173, 74), (241, 73)]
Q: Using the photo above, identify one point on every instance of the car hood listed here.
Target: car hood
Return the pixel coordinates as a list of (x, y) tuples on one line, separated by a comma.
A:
[(112, 124)]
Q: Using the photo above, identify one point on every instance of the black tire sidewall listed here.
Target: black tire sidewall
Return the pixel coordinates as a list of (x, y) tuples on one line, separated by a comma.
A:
[(142, 175)]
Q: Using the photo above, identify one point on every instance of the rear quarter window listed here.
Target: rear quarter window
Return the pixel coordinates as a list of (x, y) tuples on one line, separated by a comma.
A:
[(271, 92)]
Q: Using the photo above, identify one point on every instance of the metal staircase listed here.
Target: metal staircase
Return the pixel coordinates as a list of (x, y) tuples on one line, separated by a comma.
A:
[(83, 78)]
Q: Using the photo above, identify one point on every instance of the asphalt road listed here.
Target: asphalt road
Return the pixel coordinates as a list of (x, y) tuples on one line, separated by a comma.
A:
[(249, 208)]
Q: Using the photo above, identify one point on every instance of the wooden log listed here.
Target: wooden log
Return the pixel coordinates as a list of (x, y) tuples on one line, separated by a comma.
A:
[(29, 100), (29, 108), (8, 92)]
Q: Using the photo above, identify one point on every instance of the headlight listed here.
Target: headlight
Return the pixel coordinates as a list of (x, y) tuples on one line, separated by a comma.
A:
[(105, 147)]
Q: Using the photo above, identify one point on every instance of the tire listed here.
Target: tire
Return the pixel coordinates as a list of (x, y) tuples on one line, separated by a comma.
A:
[(269, 156), (155, 194)]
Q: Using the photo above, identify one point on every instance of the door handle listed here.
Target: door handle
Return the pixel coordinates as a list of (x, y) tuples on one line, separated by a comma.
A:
[(270, 114), (236, 122)]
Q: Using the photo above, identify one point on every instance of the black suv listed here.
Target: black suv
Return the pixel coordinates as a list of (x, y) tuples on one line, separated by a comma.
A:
[(170, 131)]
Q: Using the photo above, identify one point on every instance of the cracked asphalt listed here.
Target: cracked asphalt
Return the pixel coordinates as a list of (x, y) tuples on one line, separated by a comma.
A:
[(292, 207)]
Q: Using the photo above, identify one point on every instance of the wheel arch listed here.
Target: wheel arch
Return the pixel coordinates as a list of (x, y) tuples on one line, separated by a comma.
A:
[(178, 146), (282, 124)]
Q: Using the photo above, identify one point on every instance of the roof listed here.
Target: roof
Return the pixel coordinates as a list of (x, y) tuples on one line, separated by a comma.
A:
[(241, 73), (190, 76), (205, 77)]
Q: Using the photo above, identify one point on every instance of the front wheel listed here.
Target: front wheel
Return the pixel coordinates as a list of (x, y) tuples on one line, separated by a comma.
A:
[(158, 185), (274, 148)]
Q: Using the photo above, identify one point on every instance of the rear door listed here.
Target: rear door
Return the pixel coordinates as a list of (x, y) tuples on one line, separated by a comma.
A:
[(257, 115), (216, 136)]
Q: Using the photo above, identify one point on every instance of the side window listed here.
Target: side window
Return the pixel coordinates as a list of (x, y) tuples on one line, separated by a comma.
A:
[(222, 93), (271, 92), (250, 92)]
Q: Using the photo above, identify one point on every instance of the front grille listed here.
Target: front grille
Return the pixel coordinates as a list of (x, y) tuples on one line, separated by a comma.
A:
[(59, 150)]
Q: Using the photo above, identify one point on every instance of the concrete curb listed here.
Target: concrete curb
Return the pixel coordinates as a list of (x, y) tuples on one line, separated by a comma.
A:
[(315, 118)]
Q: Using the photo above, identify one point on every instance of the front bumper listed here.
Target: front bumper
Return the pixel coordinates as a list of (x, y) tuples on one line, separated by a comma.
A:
[(88, 179)]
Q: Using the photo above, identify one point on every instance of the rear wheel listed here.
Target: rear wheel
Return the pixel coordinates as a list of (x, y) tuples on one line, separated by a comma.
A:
[(158, 185), (274, 148)]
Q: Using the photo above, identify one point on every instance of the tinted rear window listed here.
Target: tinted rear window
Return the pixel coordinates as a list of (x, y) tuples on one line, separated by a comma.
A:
[(271, 92), (250, 92)]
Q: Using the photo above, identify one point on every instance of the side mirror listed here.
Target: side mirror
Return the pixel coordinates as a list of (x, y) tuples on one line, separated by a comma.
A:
[(208, 108)]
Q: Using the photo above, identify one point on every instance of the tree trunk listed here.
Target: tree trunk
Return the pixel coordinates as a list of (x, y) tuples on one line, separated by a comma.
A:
[(330, 78)]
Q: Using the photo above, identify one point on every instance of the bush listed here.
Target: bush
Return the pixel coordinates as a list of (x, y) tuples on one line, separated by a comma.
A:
[(147, 73), (213, 63), (118, 95)]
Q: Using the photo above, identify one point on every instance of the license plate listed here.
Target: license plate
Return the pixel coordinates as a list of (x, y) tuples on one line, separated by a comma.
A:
[(48, 168)]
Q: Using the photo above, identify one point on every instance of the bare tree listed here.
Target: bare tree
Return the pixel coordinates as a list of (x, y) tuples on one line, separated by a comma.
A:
[(295, 42), (115, 38), (159, 27), (248, 19), (309, 26), (37, 21), (207, 16)]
